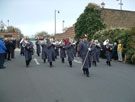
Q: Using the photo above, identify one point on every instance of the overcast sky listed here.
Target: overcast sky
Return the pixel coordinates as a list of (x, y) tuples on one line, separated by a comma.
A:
[(32, 16)]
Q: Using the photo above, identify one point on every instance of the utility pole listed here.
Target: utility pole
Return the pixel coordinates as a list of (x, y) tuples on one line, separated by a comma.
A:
[(55, 11), (121, 4)]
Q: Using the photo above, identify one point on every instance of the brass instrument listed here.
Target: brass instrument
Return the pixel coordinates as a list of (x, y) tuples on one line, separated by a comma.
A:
[(23, 42)]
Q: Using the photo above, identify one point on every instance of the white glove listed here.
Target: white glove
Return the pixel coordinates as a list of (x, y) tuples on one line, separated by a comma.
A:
[(89, 49)]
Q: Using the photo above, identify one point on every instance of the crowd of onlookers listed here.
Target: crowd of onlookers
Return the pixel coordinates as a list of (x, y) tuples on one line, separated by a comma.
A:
[(7, 50)]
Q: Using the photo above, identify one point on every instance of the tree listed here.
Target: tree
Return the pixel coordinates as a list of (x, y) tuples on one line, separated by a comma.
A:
[(15, 30), (89, 22), (42, 34)]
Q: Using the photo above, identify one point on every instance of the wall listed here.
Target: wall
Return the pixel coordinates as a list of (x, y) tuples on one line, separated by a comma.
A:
[(69, 33), (118, 18)]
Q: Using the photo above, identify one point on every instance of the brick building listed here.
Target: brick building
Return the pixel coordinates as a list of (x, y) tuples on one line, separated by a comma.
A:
[(10, 34), (5, 31), (111, 17), (69, 33)]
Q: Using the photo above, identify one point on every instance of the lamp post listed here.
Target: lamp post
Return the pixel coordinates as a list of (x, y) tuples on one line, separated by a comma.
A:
[(55, 11), (63, 25), (121, 4), (8, 22)]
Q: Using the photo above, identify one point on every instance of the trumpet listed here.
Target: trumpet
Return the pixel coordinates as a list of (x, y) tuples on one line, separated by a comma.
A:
[(24, 43)]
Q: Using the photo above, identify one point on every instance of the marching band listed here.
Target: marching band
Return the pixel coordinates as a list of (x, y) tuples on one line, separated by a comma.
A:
[(89, 52)]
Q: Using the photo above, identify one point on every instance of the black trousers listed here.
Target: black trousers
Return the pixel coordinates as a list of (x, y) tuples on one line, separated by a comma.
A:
[(12, 54), (2, 58), (62, 60), (28, 62), (9, 55)]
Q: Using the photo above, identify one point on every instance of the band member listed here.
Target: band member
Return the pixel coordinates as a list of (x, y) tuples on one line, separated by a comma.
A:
[(108, 50), (56, 49), (38, 47), (53, 50), (93, 53), (44, 50), (98, 47), (78, 47), (50, 52), (22, 46), (62, 51), (85, 49), (70, 53), (74, 48), (28, 51)]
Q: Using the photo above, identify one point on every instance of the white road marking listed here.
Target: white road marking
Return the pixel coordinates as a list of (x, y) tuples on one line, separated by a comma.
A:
[(17, 49), (77, 61), (36, 61)]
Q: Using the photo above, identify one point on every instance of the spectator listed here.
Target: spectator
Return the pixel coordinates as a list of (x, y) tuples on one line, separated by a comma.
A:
[(2, 53), (119, 50)]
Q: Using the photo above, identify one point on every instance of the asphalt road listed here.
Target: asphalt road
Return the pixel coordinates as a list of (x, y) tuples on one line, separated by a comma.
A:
[(40, 83)]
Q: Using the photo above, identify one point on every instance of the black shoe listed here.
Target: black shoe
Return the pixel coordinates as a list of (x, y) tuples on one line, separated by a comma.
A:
[(87, 72), (84, 71), (44, 61), (50, 64), (27, 63), (70, 63), (87, 75), (62, 60), (109, 63)]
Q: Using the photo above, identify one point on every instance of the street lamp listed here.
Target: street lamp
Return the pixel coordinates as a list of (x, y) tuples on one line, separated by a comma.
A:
[(102, 4), (8, 22), (121, 4), (63, 25), (55, 11)]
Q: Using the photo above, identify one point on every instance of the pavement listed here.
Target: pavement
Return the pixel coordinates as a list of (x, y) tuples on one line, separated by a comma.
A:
[(40, 83)]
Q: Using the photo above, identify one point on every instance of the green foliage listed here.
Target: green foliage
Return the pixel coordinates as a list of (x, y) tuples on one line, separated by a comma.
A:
[(133, 59), (113, 34), (89, 22), (131, 45), (16, 30), (21, 35)]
